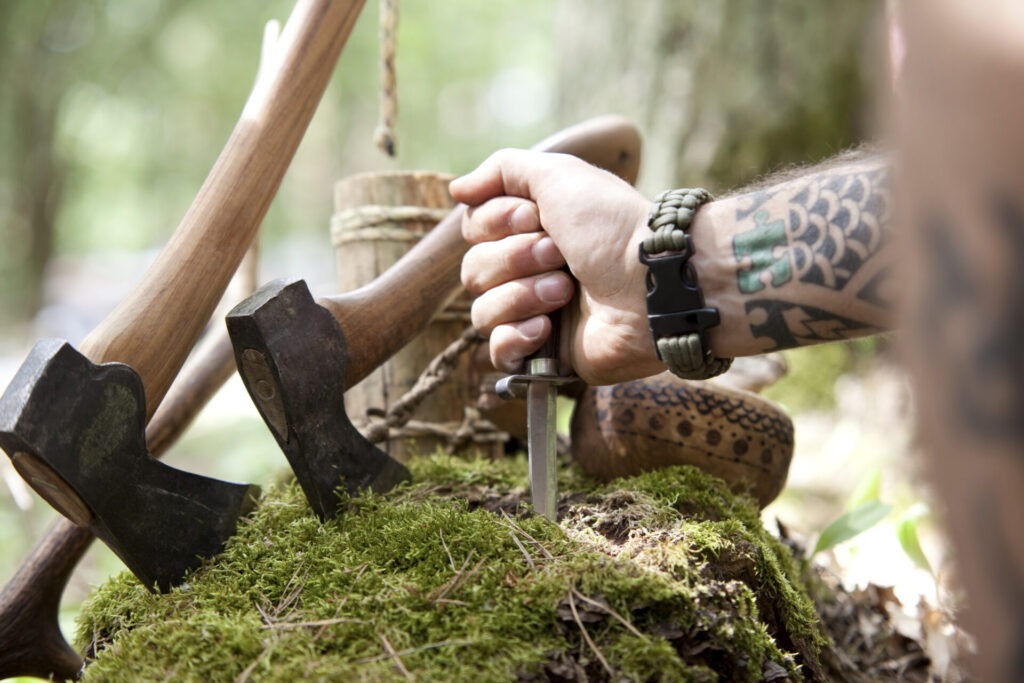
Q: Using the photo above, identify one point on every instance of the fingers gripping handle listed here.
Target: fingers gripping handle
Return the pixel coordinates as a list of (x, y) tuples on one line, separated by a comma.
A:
[(541, 366)]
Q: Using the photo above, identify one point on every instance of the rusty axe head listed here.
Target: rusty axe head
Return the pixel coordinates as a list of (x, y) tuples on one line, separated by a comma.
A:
[(76, 432), (300, 394)]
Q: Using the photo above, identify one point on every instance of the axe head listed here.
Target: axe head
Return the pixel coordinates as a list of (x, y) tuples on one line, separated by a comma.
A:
[(292, 357), (76, 432)]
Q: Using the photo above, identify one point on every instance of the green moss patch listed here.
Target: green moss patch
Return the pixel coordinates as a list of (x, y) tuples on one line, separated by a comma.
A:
[(663, 577)]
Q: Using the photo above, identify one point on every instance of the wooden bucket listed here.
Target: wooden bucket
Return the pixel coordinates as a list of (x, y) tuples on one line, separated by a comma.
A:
[(378, 217)]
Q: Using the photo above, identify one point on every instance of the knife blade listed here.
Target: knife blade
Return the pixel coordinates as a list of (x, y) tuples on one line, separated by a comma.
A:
[(541, 403), (540, 385)]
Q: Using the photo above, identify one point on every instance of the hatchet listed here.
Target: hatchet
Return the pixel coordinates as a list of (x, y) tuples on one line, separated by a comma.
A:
[(31, 643)]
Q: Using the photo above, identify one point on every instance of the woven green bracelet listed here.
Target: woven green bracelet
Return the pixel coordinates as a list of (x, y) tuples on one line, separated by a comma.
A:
[(675, 305)]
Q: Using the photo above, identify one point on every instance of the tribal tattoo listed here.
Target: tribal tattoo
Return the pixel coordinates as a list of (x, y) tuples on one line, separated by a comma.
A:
[(789, 324), (823, 233)]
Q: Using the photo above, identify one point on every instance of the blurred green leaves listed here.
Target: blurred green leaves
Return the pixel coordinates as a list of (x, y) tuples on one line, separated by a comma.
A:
[(909, 537), (852, 523)]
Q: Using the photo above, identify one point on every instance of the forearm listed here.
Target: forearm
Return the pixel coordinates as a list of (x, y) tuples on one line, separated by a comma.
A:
[(799, 261)]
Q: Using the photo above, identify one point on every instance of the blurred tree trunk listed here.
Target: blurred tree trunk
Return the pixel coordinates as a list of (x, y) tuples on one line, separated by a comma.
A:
[(31, 175), (724, 91)]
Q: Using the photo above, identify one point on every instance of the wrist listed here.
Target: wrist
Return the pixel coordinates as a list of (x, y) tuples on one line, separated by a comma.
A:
[(678, 317), (713, 260)]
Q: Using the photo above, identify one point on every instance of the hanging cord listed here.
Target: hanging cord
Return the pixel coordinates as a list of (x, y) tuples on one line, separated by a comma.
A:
[(398, 423), (384, 135)]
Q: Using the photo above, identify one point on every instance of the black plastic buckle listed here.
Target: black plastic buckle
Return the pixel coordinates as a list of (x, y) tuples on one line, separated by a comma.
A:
[(675, 304)]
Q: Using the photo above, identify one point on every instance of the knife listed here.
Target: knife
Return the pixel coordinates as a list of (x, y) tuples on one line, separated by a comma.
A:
[(540, 386)]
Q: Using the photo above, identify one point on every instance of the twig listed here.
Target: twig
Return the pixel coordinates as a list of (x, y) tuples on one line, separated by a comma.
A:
[(445, 545), (607, 608), (323, 628), (519, 529), (247, 671), (292, 625), (449, 601), (522, 548), (395, 656), (414, 650), (294, 587), (586, 636), (460, 577)]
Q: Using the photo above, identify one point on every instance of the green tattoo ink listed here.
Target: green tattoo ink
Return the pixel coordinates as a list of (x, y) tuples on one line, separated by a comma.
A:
[(759, 246)]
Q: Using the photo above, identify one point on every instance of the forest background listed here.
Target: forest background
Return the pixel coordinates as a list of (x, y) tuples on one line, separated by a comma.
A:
[(113, 111)]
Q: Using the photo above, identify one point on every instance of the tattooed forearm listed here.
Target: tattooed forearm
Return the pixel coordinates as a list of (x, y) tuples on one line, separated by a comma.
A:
[(789, 324), (814, 249), (823, 232)]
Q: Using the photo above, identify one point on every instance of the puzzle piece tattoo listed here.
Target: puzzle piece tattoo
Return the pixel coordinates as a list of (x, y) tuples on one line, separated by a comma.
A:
[(762, 251)]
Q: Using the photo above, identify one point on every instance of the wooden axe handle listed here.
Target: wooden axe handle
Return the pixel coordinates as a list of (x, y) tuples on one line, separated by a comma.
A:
[(383, 316), (153, 329)]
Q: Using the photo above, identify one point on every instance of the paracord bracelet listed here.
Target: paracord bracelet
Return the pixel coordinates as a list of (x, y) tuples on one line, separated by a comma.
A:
[(675, 305)]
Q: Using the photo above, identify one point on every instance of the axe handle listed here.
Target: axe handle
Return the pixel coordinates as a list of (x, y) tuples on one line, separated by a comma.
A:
[(31, 643), (153, 329), (383, 316)]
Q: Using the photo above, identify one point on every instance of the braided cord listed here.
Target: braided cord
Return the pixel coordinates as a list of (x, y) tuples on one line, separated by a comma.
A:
[(686, 355), (384, 135)]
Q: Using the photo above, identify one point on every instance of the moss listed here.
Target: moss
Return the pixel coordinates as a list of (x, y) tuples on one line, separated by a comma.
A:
[(666, 576)]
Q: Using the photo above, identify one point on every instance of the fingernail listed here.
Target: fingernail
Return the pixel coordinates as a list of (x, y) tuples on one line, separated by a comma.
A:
[(546, 253), (524, 219), (551, 289), (531, 329)]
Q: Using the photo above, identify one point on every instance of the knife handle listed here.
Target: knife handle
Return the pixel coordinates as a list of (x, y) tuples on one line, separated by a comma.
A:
[(544, 361), (541, 365)]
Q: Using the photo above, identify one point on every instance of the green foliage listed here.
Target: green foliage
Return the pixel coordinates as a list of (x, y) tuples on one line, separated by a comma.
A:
[(113, 111), (852, 523), (869, 488), (907, 532), (669, 575)]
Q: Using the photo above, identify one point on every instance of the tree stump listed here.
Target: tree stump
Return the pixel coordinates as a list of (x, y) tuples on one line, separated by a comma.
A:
[(378, 217)]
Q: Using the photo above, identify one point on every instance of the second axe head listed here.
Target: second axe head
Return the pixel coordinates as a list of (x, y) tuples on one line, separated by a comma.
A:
[(301, 398)]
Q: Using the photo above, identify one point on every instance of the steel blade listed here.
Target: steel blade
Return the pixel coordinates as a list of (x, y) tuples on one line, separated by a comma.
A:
[(541, 442)]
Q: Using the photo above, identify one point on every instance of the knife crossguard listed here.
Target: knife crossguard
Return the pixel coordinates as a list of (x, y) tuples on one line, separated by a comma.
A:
[(542, 370)]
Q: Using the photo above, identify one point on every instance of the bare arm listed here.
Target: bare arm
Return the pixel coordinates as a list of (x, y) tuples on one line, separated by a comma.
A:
[(799, 260)]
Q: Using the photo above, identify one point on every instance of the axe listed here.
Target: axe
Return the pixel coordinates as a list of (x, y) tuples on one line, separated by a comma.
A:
[(31, 643), (73, 421), (297, 355)]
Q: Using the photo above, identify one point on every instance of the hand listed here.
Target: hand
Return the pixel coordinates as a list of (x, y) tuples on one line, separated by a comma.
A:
[(530, 214)]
